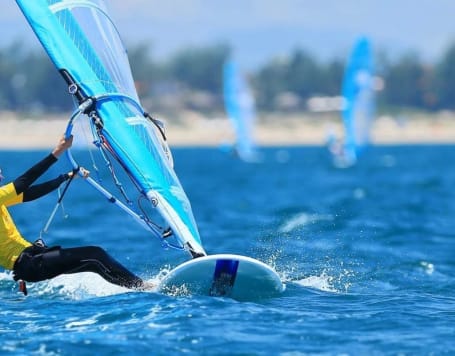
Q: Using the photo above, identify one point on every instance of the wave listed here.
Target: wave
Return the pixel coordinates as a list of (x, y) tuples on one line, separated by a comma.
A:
[(303, 219)]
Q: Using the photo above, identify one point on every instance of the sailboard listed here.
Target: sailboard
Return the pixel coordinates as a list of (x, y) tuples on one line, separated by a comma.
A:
[(225, 275), (239, 104), (358, 104), (114, 137)]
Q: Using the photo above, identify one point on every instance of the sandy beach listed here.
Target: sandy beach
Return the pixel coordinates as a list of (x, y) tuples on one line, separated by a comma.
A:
[(194, 129)]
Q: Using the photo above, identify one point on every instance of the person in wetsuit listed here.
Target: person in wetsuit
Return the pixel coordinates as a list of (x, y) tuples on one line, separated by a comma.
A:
[(37, 262)]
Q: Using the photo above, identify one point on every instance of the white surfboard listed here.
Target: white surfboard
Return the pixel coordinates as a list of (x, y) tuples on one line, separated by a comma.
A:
[(225, 275)]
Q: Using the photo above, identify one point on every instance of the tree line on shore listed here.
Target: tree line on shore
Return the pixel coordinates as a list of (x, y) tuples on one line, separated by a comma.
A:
[(192, 79)]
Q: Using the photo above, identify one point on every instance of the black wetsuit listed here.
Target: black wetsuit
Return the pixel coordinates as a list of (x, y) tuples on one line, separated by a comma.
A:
[(39, 262)]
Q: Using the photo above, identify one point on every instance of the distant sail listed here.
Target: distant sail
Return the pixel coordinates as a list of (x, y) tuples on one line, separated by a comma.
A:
[(85, 46), (240, 108), (358, 96)]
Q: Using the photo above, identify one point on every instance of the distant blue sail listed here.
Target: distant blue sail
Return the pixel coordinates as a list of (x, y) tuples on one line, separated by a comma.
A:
[(240, 107), (85, 46), (358, 96)]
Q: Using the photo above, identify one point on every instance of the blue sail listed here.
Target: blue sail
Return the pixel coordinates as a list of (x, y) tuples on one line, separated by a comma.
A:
[(358, 96), (240, 108), (85, 46)]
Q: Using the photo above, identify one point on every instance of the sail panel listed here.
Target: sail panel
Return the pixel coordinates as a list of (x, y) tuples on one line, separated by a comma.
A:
[(80, 38), (240, 108), (358, 95)]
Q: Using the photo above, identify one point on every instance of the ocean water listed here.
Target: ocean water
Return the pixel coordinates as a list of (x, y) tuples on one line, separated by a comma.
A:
[(366, 253)]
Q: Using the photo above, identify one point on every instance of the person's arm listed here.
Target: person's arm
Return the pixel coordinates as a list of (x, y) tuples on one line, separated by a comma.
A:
[(22, 183), (38, 190)]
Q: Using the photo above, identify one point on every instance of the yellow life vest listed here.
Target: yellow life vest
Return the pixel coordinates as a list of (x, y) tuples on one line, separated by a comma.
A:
[(11, 241)]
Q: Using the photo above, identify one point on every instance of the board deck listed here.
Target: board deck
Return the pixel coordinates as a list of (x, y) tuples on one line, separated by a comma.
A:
[(224, 275)]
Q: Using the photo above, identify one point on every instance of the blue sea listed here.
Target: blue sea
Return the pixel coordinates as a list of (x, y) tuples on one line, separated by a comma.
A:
[(367, 255)]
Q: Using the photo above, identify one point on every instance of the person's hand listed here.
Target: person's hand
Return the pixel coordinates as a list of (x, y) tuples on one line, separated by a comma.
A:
[(62, 145), (84, 172)]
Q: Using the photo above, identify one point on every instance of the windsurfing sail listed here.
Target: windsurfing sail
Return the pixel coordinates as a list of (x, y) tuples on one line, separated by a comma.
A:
[(358, 101), (240, 107), (85, 46)]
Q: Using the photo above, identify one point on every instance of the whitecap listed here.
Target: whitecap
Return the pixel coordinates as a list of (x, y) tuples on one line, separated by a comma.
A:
[(301, 220), (428, 267), (328, 283), (81, 286), (322, 282)]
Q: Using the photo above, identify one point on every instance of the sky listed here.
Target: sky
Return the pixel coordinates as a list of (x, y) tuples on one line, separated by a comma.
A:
[(260, 30)]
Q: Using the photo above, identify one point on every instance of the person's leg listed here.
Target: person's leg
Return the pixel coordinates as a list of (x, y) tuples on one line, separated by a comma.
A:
[(37, 264)]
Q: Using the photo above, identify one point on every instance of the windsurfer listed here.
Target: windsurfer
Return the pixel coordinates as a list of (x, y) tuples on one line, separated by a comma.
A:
[(37, 262)]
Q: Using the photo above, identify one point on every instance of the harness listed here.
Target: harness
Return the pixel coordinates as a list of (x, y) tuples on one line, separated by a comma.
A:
[(39, 246)]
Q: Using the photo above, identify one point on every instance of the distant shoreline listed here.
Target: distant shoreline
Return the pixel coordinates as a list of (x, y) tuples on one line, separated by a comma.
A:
[(274, 130)]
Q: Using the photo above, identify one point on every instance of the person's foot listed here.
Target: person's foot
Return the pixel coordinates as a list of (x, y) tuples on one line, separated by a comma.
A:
[(23, 287)]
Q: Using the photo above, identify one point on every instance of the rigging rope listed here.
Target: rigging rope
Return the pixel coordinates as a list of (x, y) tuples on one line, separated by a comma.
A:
[(59, 201)]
